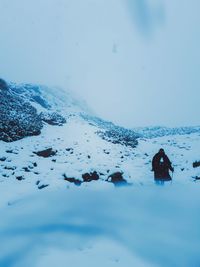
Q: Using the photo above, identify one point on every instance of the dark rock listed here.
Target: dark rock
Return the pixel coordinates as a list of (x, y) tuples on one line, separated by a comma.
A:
[(37, 183), (72, 180), (3, 159), (196, 164), (26, 169), (69, 149), (117, 179), (88, 177), (9, 168), (46, 153), (30, 167), (10, 151), (42, 186), (34, 164), (20, 178)]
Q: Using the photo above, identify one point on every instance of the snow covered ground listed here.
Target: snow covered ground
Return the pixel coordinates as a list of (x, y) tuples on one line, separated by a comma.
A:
[(97, 224), (47, 221), (80, 150), (132, 226)]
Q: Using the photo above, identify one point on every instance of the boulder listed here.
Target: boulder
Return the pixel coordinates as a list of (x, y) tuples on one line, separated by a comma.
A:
[(88, 177), (117, 179), (46, 153)]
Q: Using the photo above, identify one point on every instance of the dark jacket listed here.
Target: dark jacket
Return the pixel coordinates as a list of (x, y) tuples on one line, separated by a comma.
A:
[(161, 166)]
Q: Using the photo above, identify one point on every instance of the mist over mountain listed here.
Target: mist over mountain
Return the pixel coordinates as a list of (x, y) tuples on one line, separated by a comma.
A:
[(134, 62)]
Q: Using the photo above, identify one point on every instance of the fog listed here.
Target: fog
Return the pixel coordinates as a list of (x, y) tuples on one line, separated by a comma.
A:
[(135, 62)]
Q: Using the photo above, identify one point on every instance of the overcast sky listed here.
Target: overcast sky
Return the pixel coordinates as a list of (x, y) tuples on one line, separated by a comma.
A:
[(136, 62)]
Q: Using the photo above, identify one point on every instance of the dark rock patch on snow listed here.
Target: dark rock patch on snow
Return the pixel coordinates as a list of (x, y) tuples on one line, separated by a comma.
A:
[(20, 178), (113, 133), (196, 164), (117, 179), (49, 152), (42, 186), (88, 177), (72, 180)]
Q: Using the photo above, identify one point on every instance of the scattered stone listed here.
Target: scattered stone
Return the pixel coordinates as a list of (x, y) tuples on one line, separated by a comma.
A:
[(9, 168), (3, 159), (196, 164), (46, 153), (117, 179), (88, 177), (5, 175), (20, 178), (37, 183), (42, 186), (9, 151), (69, 149), (34, 164), (72, 180), (26, 169)]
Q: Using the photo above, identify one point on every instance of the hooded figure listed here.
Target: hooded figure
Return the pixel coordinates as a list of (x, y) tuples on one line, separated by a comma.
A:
[(161, 166)]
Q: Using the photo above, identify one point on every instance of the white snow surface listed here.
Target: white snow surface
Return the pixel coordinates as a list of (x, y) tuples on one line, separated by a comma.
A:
[(97, 224)]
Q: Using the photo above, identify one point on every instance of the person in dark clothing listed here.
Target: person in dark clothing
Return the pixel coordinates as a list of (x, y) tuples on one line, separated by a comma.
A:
[(161, 166)]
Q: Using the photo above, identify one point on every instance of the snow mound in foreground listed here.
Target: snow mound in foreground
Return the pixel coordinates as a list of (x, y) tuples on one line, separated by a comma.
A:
[(135, 226)]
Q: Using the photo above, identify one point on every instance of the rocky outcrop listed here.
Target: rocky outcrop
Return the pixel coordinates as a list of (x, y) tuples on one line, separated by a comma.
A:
[(117, 179), (53, 118), (46, 153), (18, 118), (113, 133)]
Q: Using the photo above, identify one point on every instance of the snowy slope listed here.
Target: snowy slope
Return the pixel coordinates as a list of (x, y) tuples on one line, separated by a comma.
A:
[(48, 220)]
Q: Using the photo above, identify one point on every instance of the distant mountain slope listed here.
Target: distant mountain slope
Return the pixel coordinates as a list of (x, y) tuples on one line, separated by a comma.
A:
[(26, 107), (159, 131)]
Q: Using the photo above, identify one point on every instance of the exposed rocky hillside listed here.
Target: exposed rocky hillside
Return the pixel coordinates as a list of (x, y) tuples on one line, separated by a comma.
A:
[(18, 118), (25, 108)]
